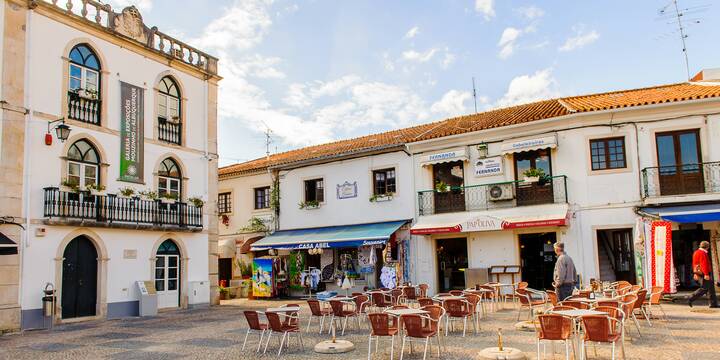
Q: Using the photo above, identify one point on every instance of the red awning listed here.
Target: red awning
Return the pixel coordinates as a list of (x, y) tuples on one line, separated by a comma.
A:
[(494, 220)]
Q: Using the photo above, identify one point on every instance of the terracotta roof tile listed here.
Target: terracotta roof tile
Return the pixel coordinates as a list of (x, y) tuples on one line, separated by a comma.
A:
[(544, 109)]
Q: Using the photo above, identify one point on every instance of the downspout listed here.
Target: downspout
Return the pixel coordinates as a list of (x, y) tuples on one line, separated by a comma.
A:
[(26, 158)]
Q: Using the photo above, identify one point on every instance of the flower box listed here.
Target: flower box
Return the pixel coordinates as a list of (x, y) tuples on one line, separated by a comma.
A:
[(531, 179), (167, 200)]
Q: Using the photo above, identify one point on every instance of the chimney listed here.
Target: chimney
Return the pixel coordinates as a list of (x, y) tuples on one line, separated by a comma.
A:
[(707, 75)]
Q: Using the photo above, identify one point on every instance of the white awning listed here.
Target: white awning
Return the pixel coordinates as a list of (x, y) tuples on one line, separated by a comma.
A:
[(457, 154), (493, 220), (530, 144)]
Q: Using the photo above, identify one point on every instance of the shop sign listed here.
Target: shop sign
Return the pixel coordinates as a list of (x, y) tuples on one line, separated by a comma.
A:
[(489, 166), (131, 133), (482, 223), (529, 144), (347, 190), (449, 155)]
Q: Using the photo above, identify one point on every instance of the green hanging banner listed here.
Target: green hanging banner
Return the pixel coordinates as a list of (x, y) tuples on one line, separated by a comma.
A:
[(132, 107)]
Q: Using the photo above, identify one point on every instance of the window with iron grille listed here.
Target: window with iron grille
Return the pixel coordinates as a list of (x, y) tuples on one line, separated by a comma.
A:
[(262, 197), (314, 190), (224, 203), (608, 153), (384, 181)]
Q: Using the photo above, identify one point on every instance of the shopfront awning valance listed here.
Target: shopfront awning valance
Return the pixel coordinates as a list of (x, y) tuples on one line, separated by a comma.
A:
[(330, 237), (516, 146), (492, 220), (457, 154), (686, 213), (7, 246)]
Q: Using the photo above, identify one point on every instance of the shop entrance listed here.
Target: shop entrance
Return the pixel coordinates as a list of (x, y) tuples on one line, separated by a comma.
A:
[(684, 242), (452, 257), (537, 259), (616, 257)]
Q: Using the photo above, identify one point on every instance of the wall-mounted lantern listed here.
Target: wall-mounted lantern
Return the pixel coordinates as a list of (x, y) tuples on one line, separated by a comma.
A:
[(482, 150), (62, 131)]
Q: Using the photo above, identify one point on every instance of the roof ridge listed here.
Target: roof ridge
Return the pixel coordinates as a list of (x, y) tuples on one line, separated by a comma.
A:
[(624, 90)]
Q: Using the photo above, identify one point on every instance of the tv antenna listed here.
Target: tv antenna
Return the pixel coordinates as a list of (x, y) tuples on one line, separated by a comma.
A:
[(268, 139), (683, 18), (474, 94)]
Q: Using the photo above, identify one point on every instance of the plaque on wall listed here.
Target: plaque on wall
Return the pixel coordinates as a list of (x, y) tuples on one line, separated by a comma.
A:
[(347, 190)]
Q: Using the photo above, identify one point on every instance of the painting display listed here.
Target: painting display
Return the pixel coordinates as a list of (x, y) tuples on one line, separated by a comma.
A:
[(262, 278)]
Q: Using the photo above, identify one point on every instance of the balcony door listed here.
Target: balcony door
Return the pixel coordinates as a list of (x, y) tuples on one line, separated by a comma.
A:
[(679, 162), (448, 179), (534, 193)]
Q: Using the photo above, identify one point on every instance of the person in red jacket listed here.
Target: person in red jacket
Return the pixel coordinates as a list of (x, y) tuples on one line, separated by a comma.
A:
[(702, 273)]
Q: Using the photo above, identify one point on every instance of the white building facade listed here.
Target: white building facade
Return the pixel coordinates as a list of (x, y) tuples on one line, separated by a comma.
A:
[(602, 170), (130, 195)]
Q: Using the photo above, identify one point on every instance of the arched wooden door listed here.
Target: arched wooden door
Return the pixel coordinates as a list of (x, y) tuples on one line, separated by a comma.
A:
[(79, 279)]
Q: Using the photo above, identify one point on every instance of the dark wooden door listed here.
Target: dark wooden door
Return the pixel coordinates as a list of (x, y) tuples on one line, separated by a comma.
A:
[(79, 283), (225, 270), (453, 199), (537, 259), (679, 162), (540, 192)]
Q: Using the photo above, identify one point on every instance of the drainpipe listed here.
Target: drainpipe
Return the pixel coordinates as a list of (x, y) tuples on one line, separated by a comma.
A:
[(26, 158)]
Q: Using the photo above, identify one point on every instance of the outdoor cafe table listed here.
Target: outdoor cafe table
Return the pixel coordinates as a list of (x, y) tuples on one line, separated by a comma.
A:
[(287, 309), (401, 312), (339, 298), (590, 301), (481, 293)]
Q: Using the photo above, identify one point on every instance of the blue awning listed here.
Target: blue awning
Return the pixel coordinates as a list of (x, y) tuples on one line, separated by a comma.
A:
[(687, 213), (330, 237)]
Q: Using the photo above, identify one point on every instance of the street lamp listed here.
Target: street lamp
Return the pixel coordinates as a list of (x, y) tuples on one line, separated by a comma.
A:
[(62, 131)]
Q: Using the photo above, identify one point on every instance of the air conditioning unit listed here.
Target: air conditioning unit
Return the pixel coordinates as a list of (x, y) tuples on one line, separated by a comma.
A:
[(500, 192)]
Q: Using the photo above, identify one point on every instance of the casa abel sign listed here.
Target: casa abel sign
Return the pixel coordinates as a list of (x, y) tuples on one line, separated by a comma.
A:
[(489, 166), (131, 133), (347, 190)]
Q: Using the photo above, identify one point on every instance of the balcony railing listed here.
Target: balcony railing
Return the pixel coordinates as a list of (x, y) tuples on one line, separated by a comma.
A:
[(169, 132), (493, 196), (113, 209), (83, 109), (700, 178)]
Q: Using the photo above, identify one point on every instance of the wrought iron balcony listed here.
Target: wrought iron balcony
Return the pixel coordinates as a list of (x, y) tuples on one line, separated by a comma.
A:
[(701, 178), (112, 209), (493, 196), (169, 131), (83, 109)]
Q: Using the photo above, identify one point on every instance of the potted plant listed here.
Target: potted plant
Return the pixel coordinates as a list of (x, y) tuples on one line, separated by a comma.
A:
[(223, 292), (149, 195), (126, 192), (309, 205), (441, 187), (96, 189), (88, 94), (196, 201), (168, 198), (69, 186), (382, 197), (533, 175)]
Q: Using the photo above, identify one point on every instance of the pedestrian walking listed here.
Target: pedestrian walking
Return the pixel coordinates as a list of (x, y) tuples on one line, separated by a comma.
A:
[(702, 273), (564, 274)]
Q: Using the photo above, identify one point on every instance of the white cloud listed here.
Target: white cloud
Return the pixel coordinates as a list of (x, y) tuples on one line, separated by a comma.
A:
[(528, 88), (243, 26), (261, 67), (421, 57), (142, 5), (507, 42), (412, 32), (448, 60), (452, 103), (580, 39), (485, 7), (530, 12), (332, 88)]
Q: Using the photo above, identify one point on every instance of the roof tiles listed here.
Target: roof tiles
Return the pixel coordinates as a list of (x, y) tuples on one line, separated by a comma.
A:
[(544, 109)]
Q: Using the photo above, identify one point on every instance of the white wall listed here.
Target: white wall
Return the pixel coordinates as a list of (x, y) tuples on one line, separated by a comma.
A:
[(243, 200), (356, 210)]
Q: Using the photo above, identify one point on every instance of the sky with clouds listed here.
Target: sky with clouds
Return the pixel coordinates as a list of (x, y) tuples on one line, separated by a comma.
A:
[(315, 71)]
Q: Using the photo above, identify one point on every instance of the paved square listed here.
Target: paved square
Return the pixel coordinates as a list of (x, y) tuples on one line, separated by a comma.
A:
[(219, 332)]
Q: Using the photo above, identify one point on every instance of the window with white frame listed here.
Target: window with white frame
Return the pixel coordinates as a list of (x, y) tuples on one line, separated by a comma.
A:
[(84, 70), (169, 179), (168, 100), (83, 165)]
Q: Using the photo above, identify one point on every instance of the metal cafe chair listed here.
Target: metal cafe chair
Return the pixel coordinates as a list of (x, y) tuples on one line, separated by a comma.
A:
[(277, 326), (255, 327), (553, 327), (456, 309), (600, 329), (382, 325), (317, 311), (419, 327)]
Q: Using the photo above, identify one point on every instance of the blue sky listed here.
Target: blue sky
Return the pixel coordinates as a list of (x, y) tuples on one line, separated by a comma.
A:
[(319, 70)]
